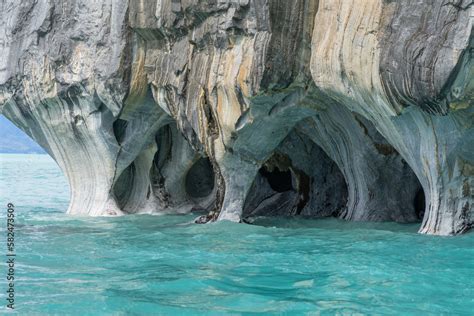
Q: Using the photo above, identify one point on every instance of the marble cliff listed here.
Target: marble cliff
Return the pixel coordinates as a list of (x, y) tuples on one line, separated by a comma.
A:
[(360, 109)]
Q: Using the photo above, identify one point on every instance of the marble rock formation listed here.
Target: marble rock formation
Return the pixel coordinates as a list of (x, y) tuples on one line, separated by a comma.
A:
[(359, 109)]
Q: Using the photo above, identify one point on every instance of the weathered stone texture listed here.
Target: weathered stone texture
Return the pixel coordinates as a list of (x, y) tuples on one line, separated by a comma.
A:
[(352, 107)]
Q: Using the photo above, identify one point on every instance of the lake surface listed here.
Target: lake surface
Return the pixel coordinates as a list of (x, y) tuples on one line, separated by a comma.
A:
[(135, 265)]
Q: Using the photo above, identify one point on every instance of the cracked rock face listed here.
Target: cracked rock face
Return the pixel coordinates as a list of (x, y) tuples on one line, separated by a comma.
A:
[(242, 108)]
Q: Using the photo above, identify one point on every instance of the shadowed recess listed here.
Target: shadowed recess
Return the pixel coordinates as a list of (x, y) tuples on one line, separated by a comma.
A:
[(298, 179), (200, 179)]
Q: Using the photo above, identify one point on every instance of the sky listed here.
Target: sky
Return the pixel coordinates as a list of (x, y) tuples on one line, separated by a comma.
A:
[(15, 141)]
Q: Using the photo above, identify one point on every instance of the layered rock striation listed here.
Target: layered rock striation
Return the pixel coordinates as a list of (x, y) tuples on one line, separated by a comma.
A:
[(237, 108)]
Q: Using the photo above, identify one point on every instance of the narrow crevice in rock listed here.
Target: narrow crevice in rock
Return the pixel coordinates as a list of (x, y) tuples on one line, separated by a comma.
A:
[(119, 128)]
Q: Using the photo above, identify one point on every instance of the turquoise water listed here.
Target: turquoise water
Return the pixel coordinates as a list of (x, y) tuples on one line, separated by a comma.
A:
[(137, 265)]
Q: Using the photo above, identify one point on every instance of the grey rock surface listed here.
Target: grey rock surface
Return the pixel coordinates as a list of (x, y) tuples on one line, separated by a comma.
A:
[(244, 108)]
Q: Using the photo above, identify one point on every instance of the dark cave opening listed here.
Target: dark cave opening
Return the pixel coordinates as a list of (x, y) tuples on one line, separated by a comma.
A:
[(156, 180), (199, 180), (124, 183), (298, 179), (119, 129), (304, 188), (279, 181), (420, 203)]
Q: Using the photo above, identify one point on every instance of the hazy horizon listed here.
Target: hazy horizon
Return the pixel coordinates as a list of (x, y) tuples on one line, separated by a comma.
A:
[(15, 141)]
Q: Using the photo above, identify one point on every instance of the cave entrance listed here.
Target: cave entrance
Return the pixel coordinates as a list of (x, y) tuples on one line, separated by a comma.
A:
[(199, 180), (419, 203), (298, 179), (168, 176)]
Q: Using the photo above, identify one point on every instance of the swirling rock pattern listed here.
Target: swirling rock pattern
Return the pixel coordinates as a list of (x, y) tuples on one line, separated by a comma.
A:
[(361, 109)]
